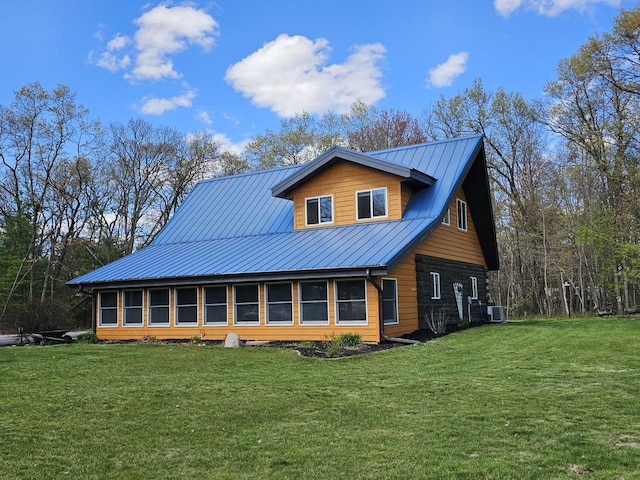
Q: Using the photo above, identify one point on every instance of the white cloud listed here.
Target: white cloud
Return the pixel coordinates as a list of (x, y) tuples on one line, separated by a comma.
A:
[(112, 62), (444, 74), (290, 74), (204, 117), (157, 106), (549, 8)]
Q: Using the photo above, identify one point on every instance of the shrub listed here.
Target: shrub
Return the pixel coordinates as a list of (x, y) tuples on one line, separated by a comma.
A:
[(88, 337), (331, 346), (349, 340)]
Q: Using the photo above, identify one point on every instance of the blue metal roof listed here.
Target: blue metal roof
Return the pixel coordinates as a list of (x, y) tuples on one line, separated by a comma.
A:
[(234, 227)]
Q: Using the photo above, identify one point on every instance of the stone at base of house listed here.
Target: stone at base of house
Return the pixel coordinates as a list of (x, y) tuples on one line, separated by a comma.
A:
[(232, 340)]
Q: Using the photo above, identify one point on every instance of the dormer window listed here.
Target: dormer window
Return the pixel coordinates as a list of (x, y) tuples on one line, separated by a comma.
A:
[(372, 203), (319, 210)]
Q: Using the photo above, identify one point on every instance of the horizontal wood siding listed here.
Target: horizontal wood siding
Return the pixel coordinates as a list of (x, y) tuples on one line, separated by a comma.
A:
[(369, 332), (343, 180)]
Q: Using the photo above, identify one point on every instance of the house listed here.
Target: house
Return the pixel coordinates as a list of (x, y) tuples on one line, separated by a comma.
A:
[(367, 243)]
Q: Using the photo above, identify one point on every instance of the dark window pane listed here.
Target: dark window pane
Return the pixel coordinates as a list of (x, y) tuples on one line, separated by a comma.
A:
[(280, 312), (315, 312), (352, 311), (133, 316), (187, 314), (312, 211), (247, 313), (187, 296), (325, 210), (159, 297), (379, 202), (279, 292), (109, 299), (159, 315), (389, 311), (215, 295), (216, 314), (314, 291), (246, 293), (388, 289), (133, 298), (109, 316), (364, 205), (351, 289)]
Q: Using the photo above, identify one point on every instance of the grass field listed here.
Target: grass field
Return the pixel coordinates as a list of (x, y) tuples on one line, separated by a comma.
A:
[(545, 399)]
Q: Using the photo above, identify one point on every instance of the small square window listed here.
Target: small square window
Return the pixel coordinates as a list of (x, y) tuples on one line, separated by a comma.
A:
[(319, 210), (371, 203)]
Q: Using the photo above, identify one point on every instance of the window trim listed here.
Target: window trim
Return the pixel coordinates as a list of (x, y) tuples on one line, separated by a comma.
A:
[(474, 288), (319, 199), (370, 191), (337, 302), (101, 308), (395, 301), (267, 303), (205, 305), (462, 219), (446, 218), (436, 291), (235, 305), (125, 308), (301, 302), (176, 308), (151, 307)]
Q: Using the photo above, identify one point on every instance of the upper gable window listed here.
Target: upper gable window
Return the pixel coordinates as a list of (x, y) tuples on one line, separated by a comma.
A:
[(462, 215), (446, 218), (319, 210), (372, 203)]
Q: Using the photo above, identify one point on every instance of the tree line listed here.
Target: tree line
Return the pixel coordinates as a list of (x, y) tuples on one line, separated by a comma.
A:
[(564, 171)]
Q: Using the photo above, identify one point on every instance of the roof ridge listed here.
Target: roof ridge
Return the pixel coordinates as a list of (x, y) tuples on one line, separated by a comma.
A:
[(425, 144), (250, 173)]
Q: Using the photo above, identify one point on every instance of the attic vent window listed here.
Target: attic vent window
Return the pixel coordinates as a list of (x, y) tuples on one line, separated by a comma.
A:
[(372, 203), (319, 210)]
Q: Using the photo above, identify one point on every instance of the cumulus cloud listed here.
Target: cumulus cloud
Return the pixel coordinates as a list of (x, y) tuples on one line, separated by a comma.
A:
[(549, 8), (444, 74), (291, 74), (157, 106)]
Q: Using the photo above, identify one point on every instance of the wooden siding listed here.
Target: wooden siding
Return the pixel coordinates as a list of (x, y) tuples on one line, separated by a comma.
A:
[(343, 180), (369, 332)]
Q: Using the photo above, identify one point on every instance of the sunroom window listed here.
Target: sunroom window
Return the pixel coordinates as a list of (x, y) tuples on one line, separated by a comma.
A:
[(159, 307), (279, 304), (314, 305), (187, 306), (132, 308), (108, 309), (247, 304), (351, 302), (215, 305)]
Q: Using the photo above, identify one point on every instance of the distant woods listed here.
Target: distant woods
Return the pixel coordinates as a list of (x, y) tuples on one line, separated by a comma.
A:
[(564, 171)]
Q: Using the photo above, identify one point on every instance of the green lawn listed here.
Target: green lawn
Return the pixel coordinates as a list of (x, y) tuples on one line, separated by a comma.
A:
[(542, 399)]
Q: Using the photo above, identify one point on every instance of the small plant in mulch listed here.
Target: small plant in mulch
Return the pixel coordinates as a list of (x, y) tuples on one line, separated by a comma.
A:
[(88, 337), (149, 339)]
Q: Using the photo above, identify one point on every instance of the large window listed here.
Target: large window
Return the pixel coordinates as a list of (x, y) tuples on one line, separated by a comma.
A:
[(314, 304), (389, 301), (246, 305), (187, 306), (279, 304), (462, 215), (372, 203), (351, 302), (319, 210), (132, 308), (159, 307), (215, 305), (435, 286), (108, 309)]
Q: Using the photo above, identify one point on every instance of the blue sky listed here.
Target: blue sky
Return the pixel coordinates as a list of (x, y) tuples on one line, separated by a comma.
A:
[(237, 67)]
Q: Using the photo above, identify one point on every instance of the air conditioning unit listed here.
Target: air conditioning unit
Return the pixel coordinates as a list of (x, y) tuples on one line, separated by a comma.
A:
[(495, 313)]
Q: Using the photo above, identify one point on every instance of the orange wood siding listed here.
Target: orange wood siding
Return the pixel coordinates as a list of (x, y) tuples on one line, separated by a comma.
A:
[(369, 332), (343, 180)]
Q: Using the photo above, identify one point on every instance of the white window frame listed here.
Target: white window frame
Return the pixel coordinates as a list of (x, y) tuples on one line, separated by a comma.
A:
[(269, 303), (395, 301), (101, 309), (370, 192), (150, 308), (337, 303), (205, 305), (474, 288), (126, 307), (302, 302), (319, 199), (436, 293), (446, 218), (176, 308), (236, 305), (462, 215)]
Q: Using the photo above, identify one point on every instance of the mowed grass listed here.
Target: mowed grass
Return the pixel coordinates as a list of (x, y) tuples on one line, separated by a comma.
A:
[(549, 399)]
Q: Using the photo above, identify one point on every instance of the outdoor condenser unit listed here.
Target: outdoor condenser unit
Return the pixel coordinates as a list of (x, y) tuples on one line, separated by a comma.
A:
[(495, 313)]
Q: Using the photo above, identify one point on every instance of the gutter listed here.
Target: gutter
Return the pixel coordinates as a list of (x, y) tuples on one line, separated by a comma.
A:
[(373, 282)]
